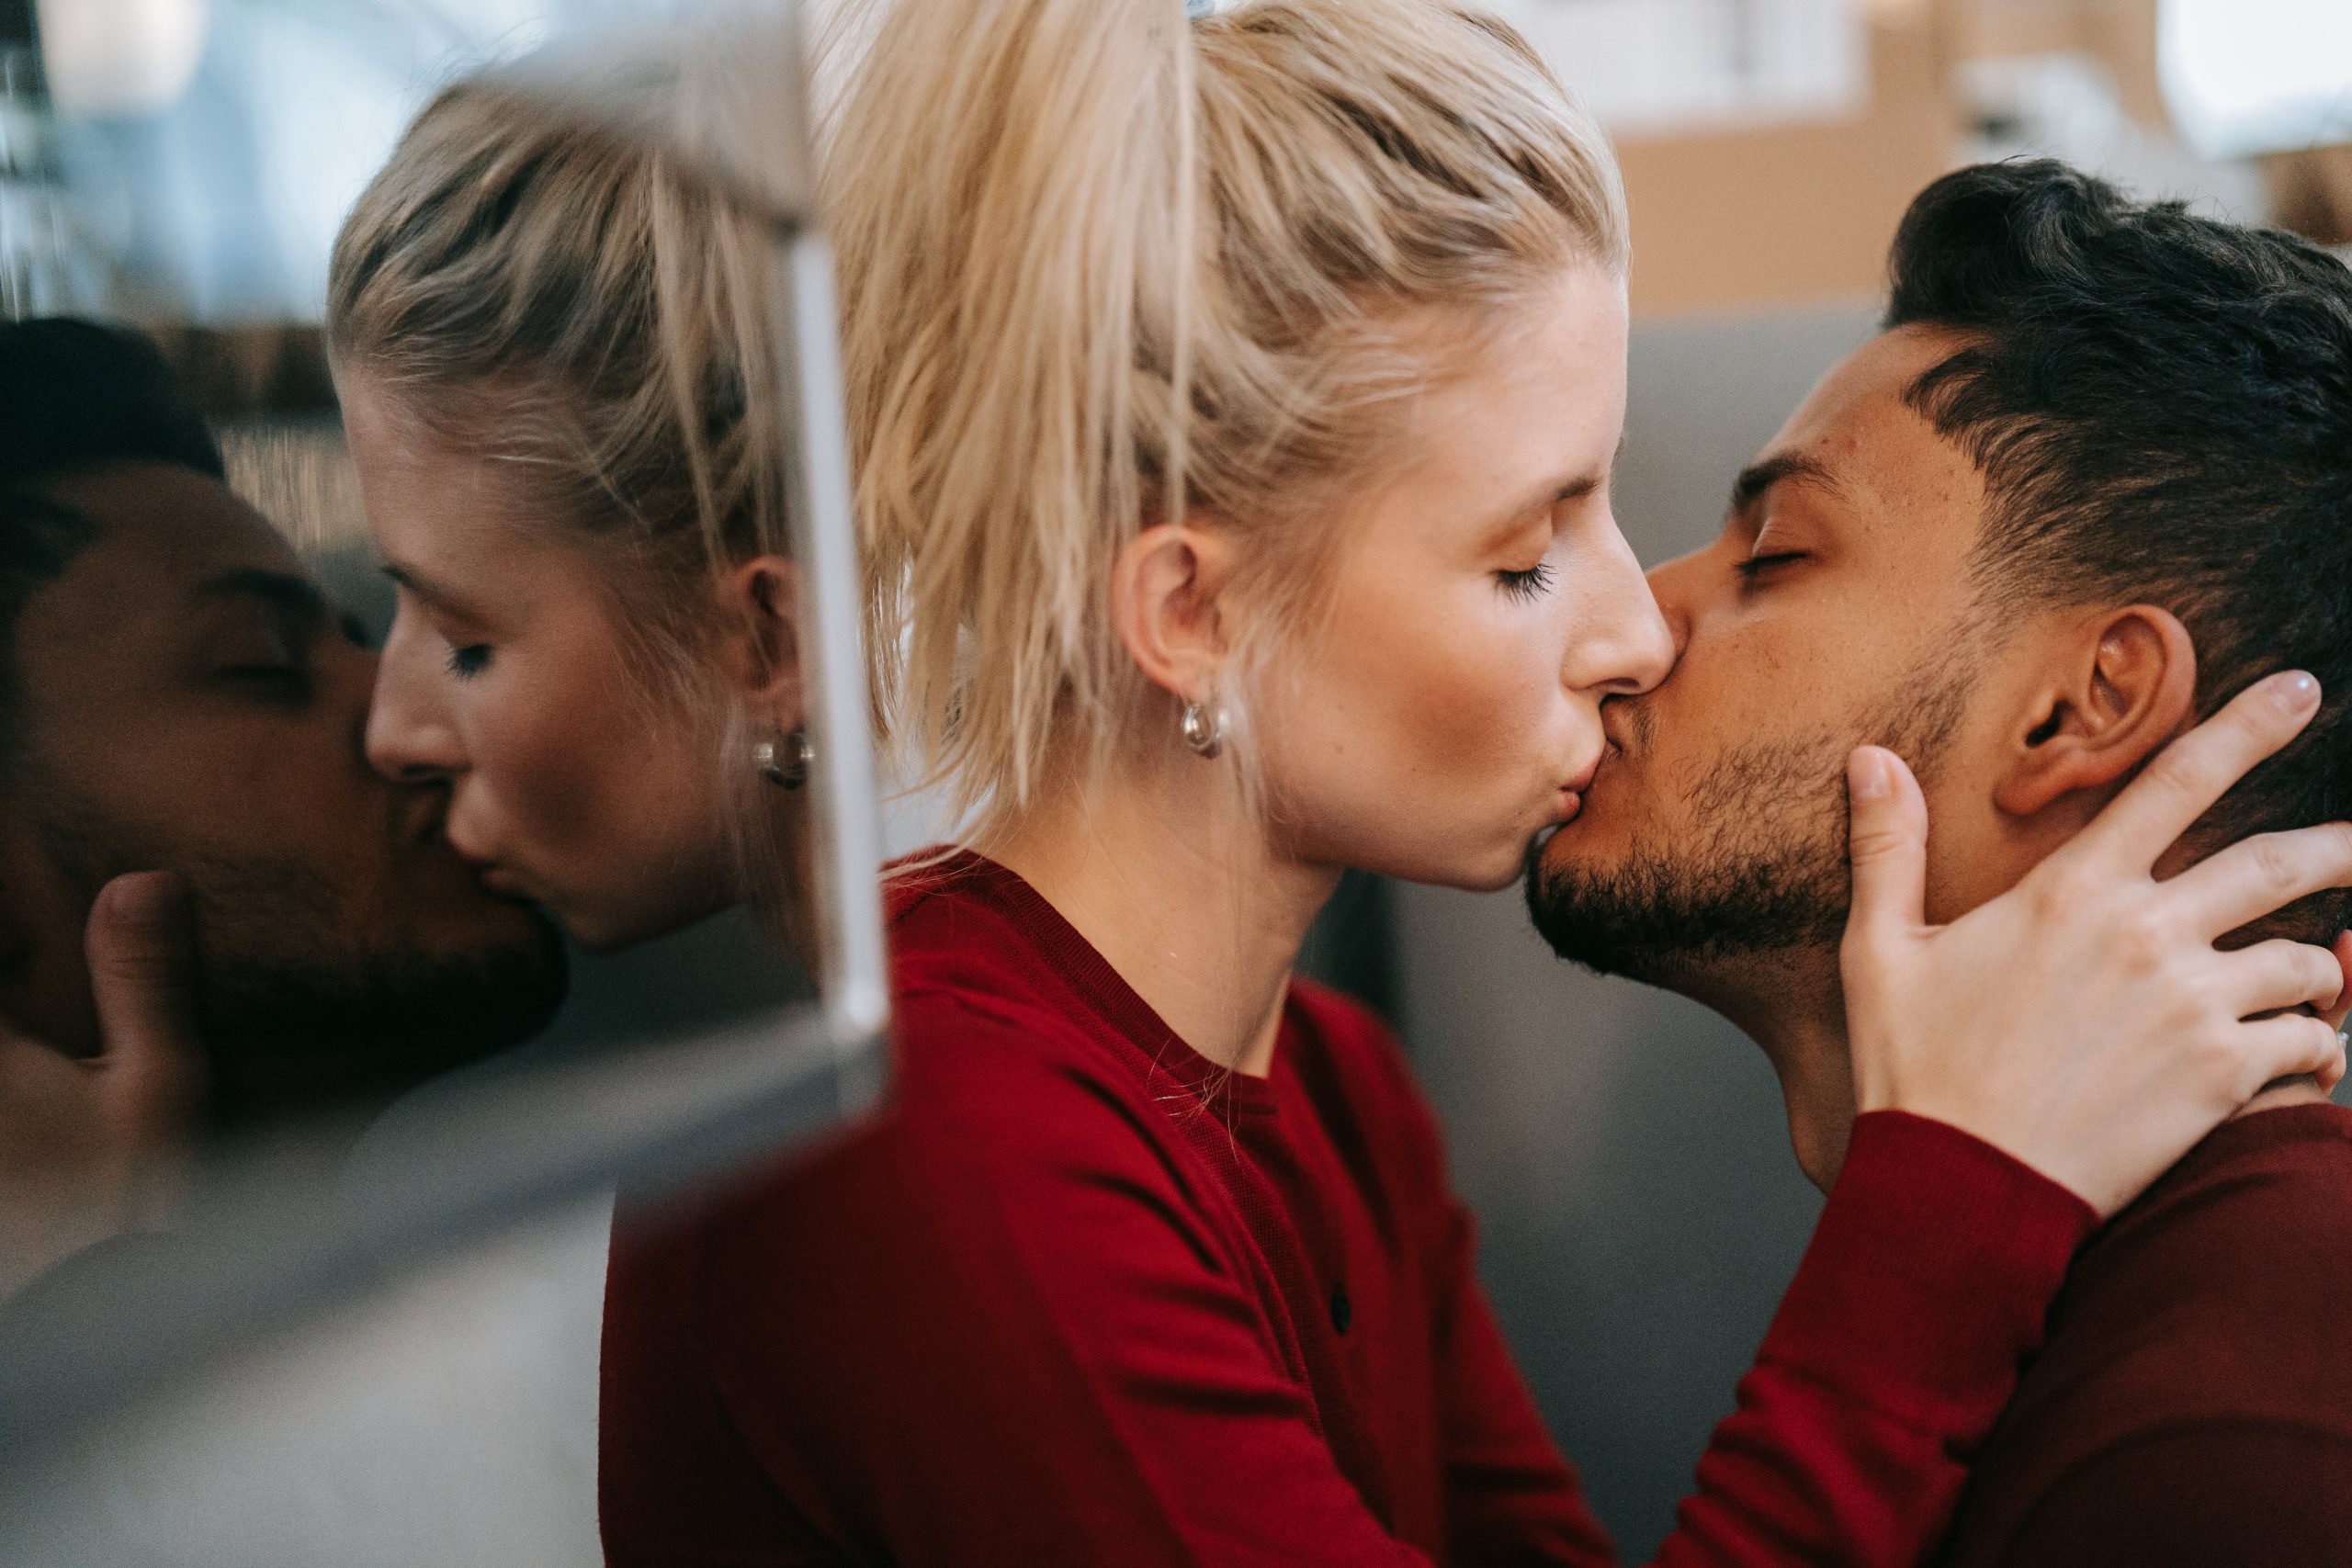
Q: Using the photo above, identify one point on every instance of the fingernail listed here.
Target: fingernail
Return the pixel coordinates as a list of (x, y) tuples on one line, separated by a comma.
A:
[(1866, 777), (2296, 690)]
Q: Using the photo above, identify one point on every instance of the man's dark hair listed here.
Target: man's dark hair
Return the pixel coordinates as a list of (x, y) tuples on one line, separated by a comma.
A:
[(75, 396), (2161, 407)]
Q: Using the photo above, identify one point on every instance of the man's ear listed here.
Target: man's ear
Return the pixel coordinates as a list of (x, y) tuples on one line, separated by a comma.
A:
[(2127, 688), (1163, 605), (759, 606)]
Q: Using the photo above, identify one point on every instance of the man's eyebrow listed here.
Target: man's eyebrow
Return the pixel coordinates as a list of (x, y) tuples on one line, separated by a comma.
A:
[(1758, 478), (290, 596)]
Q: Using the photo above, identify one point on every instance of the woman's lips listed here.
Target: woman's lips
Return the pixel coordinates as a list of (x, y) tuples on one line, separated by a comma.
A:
[(1569, 801)]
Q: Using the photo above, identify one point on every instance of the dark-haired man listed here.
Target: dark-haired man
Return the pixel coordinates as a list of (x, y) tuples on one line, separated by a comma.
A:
[(177, 695), (2095, 476)]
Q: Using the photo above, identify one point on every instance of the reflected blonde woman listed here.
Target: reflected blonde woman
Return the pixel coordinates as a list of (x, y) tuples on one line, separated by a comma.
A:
[(1234, 402)]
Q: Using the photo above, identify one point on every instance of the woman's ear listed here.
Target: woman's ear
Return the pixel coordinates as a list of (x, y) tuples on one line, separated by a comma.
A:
[(1163, 604), (2128, 689), (760, 605)]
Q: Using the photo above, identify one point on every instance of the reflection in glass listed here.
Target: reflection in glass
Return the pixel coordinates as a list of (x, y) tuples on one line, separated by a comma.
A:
[(280, 880)]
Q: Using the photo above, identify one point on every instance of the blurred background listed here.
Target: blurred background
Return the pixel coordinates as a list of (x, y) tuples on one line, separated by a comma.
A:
[(185, 162)]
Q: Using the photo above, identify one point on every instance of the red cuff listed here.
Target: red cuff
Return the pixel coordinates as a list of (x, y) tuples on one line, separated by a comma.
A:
[(1930, 1274)]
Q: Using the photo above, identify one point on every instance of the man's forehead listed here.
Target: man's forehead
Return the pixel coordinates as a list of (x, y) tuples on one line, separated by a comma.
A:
[(163, 534), (1857, 429), (169, 528), (1867, 387)]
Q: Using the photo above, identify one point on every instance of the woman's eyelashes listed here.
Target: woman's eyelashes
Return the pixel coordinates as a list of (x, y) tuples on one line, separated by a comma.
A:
[(1526, 584), (469, 659)]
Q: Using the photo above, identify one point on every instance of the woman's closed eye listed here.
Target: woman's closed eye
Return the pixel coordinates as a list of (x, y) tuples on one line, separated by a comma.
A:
[(469, 659), (1526, 585)]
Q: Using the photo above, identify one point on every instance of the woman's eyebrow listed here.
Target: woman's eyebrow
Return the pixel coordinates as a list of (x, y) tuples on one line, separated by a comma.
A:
[(425, 588)]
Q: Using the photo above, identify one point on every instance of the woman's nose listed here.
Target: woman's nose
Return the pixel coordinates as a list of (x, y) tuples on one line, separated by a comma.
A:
[(409, 736), (1630, 647), (1672, 586)]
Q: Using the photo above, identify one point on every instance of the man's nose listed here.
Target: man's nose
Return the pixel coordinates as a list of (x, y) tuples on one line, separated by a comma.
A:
[(409, 736)]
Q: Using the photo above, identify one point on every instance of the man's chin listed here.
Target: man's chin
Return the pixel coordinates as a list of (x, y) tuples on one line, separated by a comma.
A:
[(1599, 919), (1683, 924), (292, 1036)]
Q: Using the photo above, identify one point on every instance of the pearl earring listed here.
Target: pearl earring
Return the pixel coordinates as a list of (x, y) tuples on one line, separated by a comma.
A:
[(785, 760)]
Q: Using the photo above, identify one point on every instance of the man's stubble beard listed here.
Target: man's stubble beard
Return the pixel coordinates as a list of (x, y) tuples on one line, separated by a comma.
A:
[(1763, 870), (298, 1010)]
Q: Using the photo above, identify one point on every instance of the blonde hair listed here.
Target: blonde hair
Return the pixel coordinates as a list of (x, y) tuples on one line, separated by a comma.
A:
[(564, 292), (1102, 265)]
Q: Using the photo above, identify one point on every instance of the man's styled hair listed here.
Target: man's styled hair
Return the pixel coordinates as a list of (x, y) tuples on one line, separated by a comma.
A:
[(75, 396), (2161, 407)]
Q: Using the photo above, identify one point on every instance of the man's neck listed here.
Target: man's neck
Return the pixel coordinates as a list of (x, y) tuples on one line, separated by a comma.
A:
[(1791, 1003), (1176, 886)]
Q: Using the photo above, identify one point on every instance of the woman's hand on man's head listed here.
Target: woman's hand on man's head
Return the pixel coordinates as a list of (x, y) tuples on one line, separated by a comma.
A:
[(2084, 1021)]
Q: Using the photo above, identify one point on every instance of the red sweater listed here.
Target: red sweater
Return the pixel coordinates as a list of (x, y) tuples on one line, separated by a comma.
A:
[(2194, 1404), (1078, 1297)]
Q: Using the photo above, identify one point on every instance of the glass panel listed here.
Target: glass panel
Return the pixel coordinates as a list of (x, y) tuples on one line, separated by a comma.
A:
[(432, 968)]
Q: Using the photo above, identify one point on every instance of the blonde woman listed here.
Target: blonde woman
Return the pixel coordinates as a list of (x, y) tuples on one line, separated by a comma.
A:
[(1234, 403)]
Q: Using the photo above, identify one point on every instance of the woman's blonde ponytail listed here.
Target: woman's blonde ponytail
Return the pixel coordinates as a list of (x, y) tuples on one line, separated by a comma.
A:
[(1006, 187), (1102, 262)]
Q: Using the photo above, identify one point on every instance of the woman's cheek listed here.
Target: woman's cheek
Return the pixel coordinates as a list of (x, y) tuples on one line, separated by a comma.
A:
[(1495, 690)]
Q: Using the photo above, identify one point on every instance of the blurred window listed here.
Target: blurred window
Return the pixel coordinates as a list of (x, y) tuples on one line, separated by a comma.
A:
[(2250, 76)]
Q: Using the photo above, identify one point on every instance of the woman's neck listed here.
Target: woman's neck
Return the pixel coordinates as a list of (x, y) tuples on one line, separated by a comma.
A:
[(1180, 891)]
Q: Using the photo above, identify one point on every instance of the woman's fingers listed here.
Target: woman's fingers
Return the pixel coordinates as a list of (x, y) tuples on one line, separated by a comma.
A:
[(2192, 772), (2260, 875), (2273, 976), (1887, 834), (2293, 1044), (2342, 952)]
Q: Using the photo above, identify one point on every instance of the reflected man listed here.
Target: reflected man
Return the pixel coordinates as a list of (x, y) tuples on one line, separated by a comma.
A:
[(177, 695)]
